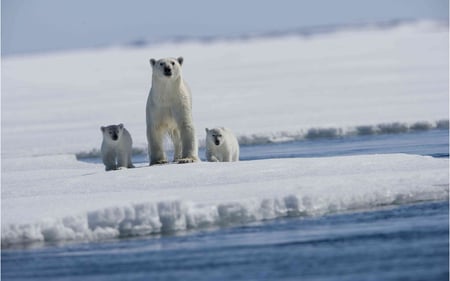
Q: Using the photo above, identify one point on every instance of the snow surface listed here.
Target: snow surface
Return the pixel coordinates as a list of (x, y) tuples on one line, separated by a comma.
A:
[(68, 200), (265, 89)]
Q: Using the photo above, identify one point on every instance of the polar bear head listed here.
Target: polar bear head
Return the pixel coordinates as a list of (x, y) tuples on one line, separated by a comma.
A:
[(112, 133), (214, 136), (169, 68)]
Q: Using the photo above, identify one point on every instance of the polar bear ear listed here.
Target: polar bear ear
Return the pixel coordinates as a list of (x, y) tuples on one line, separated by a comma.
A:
[(180, 60), (102, 129), (121, 126), (152, 62), (207, 130)]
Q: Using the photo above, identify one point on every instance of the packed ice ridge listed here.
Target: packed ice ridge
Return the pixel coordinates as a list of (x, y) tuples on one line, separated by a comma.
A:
[(167, 217)]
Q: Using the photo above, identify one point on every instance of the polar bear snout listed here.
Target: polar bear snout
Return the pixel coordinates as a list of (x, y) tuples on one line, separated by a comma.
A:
[(114, 134), (167, 71)]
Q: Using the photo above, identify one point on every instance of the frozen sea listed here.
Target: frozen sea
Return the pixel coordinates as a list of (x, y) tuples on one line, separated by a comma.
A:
[(394, 242), (344, 171)]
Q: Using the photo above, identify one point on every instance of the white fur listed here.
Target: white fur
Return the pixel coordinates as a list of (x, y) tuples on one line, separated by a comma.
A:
[(169, 111), (221, 145), (116, 154)]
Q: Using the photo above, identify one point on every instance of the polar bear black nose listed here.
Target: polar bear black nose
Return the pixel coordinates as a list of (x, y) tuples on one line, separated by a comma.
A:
[(167, 71)]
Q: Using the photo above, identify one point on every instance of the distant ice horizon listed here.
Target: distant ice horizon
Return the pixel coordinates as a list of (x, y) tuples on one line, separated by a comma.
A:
[(51, 25), (304, 31)]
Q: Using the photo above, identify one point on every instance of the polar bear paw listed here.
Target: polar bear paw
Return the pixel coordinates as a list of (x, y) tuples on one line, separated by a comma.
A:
[(186, 160), (159, 162)]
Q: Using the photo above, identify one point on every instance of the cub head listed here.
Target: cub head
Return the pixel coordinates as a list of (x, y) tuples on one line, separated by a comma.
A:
[(112, 132), (214, 136), (169, 68)]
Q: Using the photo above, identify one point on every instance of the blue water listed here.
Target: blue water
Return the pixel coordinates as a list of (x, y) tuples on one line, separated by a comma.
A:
[(405, 242), (432, 143)]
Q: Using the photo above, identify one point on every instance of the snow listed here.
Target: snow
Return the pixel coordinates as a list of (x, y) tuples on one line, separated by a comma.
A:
[(79, 201), (265, 89)]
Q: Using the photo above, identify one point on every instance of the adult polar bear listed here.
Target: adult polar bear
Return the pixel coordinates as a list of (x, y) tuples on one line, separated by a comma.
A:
[(169, 111)]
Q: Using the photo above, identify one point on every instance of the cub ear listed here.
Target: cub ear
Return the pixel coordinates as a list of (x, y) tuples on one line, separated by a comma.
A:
[(180, 60), (152, 62), (121, 126), (207, 130), (102, 129)]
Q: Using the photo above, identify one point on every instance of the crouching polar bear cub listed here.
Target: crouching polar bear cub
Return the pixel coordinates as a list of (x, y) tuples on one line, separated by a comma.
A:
[(116, 147), (221, 145), (169, 111)]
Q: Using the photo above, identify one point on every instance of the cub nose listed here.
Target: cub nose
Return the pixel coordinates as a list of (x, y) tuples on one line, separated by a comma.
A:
[(167, 70)]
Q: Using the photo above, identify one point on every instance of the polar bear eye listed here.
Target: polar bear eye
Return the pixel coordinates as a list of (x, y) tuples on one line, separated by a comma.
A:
[(173, 63), (161, 64)]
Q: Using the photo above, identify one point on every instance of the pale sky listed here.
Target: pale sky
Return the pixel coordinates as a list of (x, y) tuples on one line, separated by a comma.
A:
[(46, 25)]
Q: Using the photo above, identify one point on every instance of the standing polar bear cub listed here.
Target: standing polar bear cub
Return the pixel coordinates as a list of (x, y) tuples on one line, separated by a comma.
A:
[(221, 145), (116, 147), (169, 111)]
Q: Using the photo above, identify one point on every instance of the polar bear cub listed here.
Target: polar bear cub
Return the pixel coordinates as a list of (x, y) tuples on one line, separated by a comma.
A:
[(169, 112), (116, 147), (221, 145)]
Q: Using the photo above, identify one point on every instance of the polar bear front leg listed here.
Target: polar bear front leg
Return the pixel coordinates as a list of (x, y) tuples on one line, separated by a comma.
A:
[(213, 159), (227, 157), (129, 162), (156, 152), (177, 145), (109, 159), (189, 144), (124, 160)]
